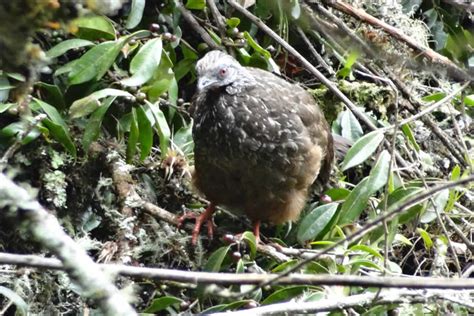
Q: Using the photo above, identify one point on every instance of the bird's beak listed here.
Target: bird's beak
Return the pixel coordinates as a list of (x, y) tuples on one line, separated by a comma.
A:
[(204, 82)]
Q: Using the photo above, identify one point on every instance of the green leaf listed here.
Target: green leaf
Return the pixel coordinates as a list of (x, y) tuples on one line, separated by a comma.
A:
[(161, 80), (66, 45), (366, 249), (362, 149), (453, 195), (161, 124), (355, 264), (337, 194), (284, 294), (22, 307), (52, 94), (132, 137), (145, 63), (440, 200), (315, 221), (426, 238), (215, 260), (95, 63), (94, 28), (409, 135), (89, 104), (379, 173), (232, 22), (251, 241), (183, 139), (5, 88), (196, 4), (469, 100), (259, 49), (13, 129), (145, 135), (350, 126), (92, 129), (57, 126), (403, 194), (355, 203), (61, 134), (162, 303), (5, 106), (136, 14), (350, 61), (434, 97)]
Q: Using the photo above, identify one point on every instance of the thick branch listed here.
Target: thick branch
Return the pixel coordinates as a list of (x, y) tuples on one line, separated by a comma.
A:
[(46, 230), (194, 277)]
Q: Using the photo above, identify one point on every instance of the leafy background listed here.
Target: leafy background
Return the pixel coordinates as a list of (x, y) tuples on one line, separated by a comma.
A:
[(81, 91)]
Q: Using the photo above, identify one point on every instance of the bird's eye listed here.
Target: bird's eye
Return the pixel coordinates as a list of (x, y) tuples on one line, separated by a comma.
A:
[(222, 72)]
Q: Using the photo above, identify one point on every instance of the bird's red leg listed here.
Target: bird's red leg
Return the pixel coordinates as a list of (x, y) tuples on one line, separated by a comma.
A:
[(204, 217), (256, 230)]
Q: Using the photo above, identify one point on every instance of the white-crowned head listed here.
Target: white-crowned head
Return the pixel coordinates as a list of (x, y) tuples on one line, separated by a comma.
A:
[(218, 69)]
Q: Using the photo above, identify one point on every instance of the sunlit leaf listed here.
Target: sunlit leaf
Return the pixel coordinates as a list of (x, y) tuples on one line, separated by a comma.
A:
[(440, 200), (285, 294), (58, 128), (215, 260), (66, 45), (89, 104), (161, 124), (94, 28), (356, 202), (162, 303), (409, 134), (362, 149), (350, 126), (196, 4), (145, 63), (315, 221), (136, 13), (426, 237), (251, 241)]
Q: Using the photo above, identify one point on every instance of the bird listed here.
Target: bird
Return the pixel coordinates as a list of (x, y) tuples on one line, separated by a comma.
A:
[(260, 142)]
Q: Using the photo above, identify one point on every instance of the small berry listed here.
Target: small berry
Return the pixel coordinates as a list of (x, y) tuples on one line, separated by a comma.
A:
[(154, 27)]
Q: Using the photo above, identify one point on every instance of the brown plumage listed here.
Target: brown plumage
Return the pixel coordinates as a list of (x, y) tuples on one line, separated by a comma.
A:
[(260, 141)]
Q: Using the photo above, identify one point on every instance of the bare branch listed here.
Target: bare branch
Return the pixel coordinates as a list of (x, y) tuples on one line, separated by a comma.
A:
[(188, 16), (194, 277)]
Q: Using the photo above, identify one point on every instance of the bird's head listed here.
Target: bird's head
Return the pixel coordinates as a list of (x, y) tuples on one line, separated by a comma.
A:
[(218, 69)]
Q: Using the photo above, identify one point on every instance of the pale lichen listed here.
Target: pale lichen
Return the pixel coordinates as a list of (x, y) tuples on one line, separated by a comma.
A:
[(55, 184)]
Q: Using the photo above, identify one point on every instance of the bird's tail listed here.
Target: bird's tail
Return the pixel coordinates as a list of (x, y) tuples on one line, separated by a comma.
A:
[(341, 146)]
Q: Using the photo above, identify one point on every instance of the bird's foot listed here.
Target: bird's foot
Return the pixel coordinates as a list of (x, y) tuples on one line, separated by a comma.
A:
[(256, 233), (204, 217)]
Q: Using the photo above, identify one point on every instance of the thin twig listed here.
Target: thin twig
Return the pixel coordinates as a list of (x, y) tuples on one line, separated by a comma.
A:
[(459, 232), (315, 53), (188, 16), (198, 277), (343, 303), (432, 107), (218, 18)]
